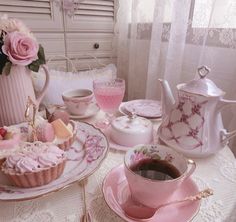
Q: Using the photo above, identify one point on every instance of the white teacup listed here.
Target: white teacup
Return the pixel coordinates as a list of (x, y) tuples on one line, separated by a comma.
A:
[(150, 187), (77, 101)]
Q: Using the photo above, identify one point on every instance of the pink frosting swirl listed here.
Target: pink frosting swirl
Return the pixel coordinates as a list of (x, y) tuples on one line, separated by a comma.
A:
[(47, 160), (51, 156), (11, 161), (26, 164), (35, 157)]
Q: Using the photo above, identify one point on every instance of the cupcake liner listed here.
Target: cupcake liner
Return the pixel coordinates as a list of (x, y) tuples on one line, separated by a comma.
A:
[(35, 179)]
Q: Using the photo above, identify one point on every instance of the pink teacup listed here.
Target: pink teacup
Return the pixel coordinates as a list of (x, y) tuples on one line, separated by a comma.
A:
[(77, 101), (150, 187)]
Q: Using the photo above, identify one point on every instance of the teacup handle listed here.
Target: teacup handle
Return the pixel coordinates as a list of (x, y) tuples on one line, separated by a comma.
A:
[(191, 168)]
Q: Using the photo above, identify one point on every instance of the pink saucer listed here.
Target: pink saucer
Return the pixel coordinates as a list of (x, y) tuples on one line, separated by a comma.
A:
[(116, 192)]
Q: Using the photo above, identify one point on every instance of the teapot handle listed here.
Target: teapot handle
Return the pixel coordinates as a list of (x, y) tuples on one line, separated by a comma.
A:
[(226, 136), (43, 91)]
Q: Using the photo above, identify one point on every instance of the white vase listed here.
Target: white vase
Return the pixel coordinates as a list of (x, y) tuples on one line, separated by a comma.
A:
[(15, 89)]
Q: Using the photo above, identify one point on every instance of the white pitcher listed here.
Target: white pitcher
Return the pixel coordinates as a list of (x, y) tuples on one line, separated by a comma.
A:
[(14, 91)]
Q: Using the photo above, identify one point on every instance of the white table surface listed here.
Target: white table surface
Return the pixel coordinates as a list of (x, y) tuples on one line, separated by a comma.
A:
[(217, 172)]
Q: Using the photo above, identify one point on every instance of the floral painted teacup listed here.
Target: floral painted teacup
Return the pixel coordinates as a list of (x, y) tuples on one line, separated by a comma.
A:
[(78, 101), (154, 173)]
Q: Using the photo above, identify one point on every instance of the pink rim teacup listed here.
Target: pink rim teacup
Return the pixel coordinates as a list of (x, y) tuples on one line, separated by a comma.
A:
[(150, 192), (77, 101)]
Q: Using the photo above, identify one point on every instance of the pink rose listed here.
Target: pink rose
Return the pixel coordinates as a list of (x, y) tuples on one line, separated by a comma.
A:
[(20, 49)]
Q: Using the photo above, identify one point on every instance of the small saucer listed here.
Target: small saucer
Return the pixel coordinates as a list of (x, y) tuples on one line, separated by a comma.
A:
[(91, 111), (143, 108), (113, 144), (116, 192)]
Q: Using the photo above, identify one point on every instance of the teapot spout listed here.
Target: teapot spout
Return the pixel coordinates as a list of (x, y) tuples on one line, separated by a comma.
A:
[(167, 98)]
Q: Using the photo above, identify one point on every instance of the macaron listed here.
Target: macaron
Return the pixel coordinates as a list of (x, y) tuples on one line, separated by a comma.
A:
[(45, 132)]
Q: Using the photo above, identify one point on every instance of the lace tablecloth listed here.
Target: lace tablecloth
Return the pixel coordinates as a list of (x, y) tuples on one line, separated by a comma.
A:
[(217, 172)]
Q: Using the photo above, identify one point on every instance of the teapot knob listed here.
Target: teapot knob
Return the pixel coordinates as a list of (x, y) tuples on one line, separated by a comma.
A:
[(203, 71)]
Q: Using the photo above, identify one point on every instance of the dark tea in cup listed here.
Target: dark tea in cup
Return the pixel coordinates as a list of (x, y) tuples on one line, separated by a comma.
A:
[(155, 169), (154, 173)]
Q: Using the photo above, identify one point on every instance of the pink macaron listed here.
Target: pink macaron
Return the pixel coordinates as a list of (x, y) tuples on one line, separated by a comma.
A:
[(45, 132)]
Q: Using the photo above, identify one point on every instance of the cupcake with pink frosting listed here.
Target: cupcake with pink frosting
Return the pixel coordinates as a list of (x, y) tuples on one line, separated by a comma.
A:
[(35, 165)]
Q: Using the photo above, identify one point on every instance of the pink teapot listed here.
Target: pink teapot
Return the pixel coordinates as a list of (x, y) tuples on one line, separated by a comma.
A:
[(193, 124)]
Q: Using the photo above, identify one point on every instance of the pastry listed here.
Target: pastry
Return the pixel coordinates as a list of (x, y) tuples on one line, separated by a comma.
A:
[(9, 140), (61, 130), (45, 132), (65, 135), (36, 164)]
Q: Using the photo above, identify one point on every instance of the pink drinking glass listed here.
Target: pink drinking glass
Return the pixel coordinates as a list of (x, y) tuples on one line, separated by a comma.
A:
[(109, 95)]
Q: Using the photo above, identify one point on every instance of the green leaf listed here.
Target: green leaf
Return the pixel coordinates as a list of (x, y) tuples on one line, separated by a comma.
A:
[(7, 68), (34, 66), (41, 55)]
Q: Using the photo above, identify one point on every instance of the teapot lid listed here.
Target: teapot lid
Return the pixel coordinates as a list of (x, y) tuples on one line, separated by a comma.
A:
[(202, 86)]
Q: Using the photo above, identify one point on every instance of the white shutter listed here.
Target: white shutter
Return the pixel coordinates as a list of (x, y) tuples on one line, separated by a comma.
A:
[(92, 16), (39, 15)]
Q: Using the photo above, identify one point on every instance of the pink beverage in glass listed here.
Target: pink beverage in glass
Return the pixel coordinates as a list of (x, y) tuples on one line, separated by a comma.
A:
[(109, 97)]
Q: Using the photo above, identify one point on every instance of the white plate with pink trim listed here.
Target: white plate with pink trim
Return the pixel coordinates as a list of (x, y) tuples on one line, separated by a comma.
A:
[(150, 109), (84, 157)]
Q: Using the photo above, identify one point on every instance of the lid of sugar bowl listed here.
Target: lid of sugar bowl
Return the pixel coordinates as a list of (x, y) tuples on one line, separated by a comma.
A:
[(131, 124), (202, 86)]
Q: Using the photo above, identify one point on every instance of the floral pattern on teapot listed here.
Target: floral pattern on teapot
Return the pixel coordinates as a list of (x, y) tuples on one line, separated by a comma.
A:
[(192, 123), (188, 118)]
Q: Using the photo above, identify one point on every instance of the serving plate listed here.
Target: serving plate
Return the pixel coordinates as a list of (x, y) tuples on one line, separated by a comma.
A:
[(84, 157)]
